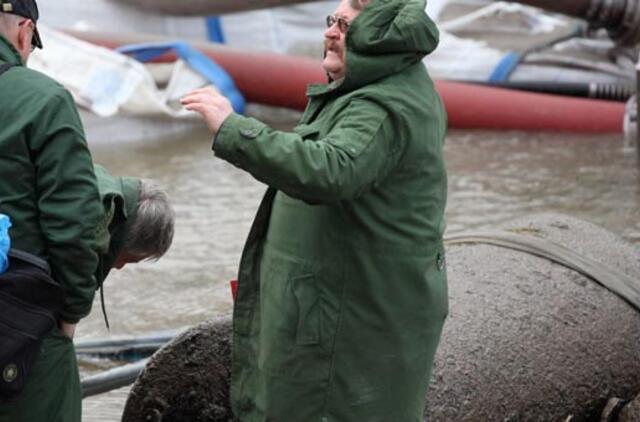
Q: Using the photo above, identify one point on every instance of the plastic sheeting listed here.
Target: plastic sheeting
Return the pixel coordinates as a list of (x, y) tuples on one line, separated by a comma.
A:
[(108, 83), (5, 241)]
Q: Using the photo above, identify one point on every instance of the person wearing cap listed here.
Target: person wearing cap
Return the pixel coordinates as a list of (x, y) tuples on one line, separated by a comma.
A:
[(49, 190), (24, 14), (342, 287)]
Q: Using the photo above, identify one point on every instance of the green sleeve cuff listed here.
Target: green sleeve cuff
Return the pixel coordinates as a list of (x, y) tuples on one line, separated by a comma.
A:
[(235, 136)]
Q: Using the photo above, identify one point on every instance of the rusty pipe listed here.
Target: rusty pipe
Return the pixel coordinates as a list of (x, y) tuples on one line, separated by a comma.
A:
[(204, 7), (621, 18)]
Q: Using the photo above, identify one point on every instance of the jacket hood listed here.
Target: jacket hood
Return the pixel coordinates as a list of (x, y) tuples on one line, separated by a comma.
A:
[(387, 37), (119, 197)]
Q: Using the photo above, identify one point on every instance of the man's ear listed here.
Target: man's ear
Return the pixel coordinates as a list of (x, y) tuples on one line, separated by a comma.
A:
[(24, 37)]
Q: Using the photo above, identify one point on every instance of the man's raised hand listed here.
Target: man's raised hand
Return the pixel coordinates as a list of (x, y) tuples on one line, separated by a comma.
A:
[(210, 104)]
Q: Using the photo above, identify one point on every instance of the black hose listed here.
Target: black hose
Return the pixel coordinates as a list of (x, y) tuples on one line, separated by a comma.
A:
[(601, 91)]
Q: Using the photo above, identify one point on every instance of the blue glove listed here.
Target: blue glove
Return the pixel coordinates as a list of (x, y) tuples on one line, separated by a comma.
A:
[(5, 242)]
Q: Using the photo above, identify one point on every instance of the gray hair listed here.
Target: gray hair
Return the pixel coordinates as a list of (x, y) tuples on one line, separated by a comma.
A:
[(8, 24), (152, 231)]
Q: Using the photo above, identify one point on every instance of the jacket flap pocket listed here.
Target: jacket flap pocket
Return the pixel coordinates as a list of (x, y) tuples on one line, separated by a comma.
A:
[(360, 125), (307, 131)]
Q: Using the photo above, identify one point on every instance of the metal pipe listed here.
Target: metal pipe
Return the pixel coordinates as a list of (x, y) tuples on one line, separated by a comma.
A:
[(205, 7), (601, 91), (111, 379), (157, 339), (621, 18)]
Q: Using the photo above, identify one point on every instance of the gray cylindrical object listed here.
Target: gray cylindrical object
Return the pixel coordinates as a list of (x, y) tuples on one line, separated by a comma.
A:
[(186, 380), (526, 339), (111, 379), (205, 7)]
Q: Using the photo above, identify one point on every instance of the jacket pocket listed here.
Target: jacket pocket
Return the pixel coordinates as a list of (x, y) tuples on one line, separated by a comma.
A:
[(289, 337), (360, 125), (305, 291)]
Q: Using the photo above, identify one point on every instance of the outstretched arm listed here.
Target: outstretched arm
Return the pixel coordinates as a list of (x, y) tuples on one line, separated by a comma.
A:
[(355, 155)]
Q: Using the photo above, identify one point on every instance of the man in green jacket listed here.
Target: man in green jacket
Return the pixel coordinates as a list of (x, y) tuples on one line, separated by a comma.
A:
[(49, 190), (342, 291)]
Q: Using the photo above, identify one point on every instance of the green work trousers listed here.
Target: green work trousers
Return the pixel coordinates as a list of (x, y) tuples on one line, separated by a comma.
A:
[(52, 392)]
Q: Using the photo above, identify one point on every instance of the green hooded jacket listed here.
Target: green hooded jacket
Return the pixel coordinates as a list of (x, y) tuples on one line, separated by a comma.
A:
[(342, 291), (119, 196), (47, 184)]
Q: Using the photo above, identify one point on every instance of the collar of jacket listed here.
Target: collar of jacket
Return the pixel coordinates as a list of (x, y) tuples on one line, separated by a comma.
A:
[(387, 37), (119, 196), (8, 52)]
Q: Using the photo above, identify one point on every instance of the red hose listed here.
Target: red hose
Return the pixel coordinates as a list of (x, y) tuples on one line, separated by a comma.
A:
[(281, 80), (472, 106)]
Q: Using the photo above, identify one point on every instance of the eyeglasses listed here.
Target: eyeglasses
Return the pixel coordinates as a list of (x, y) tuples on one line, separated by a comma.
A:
[(33, 28), (343, 24)]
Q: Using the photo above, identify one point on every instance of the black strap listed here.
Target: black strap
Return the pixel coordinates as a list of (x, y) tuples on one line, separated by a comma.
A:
[(30, 259), (4, 67), (104, 308)]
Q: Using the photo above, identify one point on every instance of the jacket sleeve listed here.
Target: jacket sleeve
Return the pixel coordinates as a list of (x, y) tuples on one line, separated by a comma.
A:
[(356, 154), (68, 202)]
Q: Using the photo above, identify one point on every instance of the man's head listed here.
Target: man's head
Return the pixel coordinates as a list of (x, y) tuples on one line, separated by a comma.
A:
[(334, 37), (18, 24), (151, 233)]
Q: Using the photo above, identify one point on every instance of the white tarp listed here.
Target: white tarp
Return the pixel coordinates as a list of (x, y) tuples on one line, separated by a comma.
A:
[(108, 83)]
